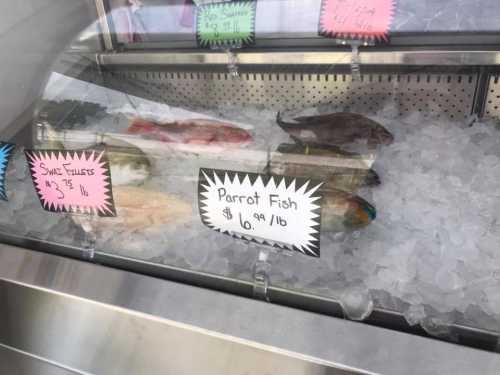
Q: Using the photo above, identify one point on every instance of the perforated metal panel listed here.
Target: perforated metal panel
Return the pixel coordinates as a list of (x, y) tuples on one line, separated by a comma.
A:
[(449, 95), (492, 105)]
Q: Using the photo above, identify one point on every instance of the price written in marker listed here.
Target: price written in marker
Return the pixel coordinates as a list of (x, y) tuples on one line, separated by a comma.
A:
[(356, 19), (261, 218), (274, 210), (226, 25), (72, 181)]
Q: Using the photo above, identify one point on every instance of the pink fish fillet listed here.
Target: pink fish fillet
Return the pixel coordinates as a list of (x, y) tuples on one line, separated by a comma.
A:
[(193, 131)]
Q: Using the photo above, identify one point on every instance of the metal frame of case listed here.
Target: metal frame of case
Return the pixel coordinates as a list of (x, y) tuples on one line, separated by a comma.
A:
[(105, 321)]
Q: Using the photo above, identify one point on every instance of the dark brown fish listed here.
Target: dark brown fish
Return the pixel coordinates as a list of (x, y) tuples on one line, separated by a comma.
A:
[(336, 177), (343, 212), (336, 129)]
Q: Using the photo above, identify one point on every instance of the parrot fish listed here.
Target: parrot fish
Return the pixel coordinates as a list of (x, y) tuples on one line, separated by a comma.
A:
[(194, 131), (343, 212), (335, 129), (337, 177)]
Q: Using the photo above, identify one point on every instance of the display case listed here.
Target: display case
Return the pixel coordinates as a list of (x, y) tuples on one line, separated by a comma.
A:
[(352, 172)]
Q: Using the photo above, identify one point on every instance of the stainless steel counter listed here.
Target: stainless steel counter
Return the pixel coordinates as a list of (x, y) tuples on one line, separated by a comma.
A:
[(79, 317)]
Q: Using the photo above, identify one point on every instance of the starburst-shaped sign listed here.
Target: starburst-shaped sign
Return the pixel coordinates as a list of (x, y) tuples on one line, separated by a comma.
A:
[(226, 24), (72, 181), (356, 19), (274, 210), (6, 150)]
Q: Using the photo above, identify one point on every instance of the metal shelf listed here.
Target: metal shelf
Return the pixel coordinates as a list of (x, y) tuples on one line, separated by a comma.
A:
[(366, 57)]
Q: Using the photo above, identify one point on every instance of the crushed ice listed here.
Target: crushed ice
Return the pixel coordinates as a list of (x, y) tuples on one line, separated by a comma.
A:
[(433, 253)]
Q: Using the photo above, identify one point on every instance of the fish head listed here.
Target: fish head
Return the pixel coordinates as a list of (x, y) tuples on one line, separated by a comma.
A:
[(360, 214), (378, 132), (382, 135), (372, 178), (245, 137), (343, 211), (236, 135)]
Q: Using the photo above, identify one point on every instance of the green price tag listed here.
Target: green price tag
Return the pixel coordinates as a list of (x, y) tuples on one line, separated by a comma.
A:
[(229, 24)]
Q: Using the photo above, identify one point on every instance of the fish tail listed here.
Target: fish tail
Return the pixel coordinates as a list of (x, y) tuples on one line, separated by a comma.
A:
[(141, 126), (283, 124), (279, 120)]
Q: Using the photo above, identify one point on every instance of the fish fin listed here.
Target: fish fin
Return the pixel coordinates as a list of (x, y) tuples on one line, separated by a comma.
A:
[(297, 140)]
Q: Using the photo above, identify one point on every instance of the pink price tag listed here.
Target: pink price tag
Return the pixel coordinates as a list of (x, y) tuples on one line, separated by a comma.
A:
[(72, 181), (356, 19)]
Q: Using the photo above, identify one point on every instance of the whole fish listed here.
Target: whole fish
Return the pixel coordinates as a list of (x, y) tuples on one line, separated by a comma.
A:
[(128, 164), (336, 129), (343, 212), (195, 131), (343, 178)]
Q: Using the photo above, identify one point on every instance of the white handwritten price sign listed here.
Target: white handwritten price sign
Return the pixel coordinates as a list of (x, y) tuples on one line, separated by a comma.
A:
[(274, 210), (72, 181)]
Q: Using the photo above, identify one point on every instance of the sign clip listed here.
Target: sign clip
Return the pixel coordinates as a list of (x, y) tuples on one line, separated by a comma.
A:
[(261, 276)]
